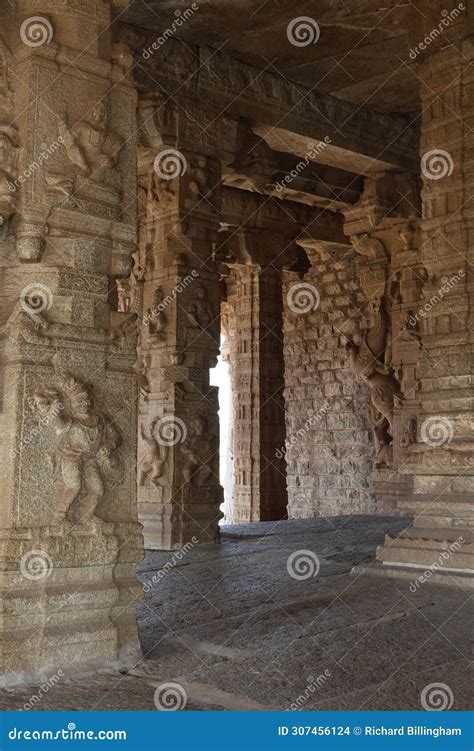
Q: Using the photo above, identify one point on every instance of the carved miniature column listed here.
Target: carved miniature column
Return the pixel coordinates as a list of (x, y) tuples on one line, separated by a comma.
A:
[(178, 458), (69, 536), (255, 310)]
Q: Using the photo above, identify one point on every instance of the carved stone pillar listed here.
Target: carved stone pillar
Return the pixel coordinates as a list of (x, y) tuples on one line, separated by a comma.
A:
[(255, 324), (179, 494), (436, 444), (69, 536)]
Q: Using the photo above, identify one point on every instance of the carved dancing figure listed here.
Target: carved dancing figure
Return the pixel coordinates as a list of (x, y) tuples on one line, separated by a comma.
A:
[(86, 441), (153, 464), (197, 464)]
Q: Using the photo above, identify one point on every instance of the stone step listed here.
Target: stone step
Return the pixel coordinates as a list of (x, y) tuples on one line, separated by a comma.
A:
[(440, 578), (463, 535), (428, 553)]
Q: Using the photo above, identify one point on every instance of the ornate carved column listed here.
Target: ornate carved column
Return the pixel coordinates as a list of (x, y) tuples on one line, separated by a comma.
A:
[(255, 325), (435, 445), (438, 445), (69, 536), (178, 458)]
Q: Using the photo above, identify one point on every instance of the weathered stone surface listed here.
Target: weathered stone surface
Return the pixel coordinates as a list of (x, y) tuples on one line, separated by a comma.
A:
[(236, 631), (69, 531)]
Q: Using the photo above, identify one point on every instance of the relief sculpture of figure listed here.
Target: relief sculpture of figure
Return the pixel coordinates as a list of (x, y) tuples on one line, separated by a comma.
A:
[(86, 440), (154, 319), (153, 464), (368, 360), (93, 150), (8, 167), (198, 454), (199, 313)]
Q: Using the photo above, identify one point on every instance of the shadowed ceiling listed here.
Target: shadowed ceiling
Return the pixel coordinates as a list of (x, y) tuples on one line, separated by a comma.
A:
[(361, 55)]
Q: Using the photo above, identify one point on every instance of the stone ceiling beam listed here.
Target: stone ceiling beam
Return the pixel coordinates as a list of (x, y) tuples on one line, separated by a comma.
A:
[(303, 224), (287, 115)]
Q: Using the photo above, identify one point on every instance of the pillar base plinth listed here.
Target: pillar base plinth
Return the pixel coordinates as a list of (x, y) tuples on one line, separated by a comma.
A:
[(465, 580)]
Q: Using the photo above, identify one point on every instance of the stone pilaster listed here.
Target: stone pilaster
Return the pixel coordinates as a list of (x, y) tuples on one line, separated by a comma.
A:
[(255, 324), (437, 448), (69, 536), (176, 289)]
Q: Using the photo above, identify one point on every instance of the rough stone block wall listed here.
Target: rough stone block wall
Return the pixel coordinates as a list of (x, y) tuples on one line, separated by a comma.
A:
[(329, 444)]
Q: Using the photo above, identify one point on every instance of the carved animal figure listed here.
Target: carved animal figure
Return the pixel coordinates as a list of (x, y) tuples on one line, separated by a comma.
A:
[(367, 361)]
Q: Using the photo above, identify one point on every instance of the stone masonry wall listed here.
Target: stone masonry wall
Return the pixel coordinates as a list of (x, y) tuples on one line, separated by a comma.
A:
[(329, 449)]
